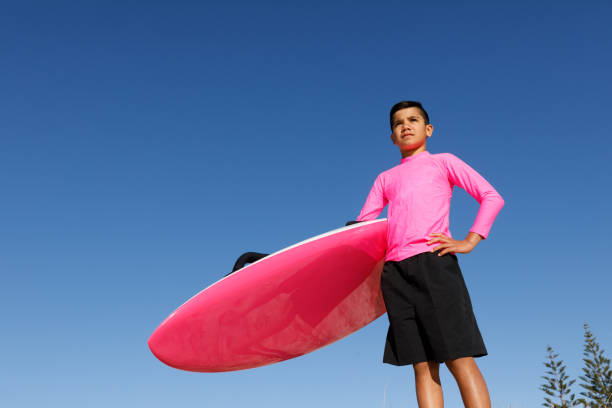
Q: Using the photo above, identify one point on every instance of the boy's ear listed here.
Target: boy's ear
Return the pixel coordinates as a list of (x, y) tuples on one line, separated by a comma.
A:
[(392, 138), (429, 130)]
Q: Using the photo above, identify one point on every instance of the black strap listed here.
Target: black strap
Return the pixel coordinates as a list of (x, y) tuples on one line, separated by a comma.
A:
[(250, 257), (247, 257)]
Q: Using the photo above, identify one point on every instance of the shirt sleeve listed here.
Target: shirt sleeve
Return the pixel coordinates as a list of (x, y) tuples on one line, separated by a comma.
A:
[(375, 202), (462, 175)]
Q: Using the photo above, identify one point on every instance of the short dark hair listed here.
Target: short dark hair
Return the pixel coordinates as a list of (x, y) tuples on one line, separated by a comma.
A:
[(408, 104)]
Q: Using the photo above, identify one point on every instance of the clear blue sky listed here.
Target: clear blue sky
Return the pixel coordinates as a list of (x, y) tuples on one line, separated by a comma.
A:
[(144, 145)]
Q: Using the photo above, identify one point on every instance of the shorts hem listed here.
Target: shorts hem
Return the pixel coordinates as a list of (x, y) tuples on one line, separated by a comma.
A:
[(437, 360)]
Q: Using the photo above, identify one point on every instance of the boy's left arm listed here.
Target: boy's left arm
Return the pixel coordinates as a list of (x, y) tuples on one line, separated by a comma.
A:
[(449, 244), (462, 175)]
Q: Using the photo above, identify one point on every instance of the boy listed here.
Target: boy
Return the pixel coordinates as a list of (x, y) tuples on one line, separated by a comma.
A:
[(430, 313)]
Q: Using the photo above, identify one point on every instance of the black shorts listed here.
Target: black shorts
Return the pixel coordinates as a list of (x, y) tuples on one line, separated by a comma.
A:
[(429, 309)]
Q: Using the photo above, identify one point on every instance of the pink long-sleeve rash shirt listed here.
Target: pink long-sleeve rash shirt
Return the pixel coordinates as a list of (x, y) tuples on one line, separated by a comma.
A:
[(419, 192)]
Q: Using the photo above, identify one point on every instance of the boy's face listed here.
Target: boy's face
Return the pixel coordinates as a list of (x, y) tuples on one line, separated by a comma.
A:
[(410, 132)]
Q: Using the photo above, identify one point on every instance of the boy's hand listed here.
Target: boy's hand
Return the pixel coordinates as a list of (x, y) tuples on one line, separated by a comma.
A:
[(449, 244)]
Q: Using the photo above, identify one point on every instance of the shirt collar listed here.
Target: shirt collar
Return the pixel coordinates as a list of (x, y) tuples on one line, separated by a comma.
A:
[(414, 156)]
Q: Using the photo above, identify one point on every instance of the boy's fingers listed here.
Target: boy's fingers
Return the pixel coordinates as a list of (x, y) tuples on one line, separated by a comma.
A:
[(440, 238), (447, 248), (446, 251), (446, 243), (439, 247)]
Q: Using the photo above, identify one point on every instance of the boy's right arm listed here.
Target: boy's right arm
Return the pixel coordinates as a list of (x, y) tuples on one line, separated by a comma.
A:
[(375, 202)]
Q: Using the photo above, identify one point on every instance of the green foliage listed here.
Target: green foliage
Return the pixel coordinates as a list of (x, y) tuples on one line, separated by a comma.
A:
[(597, 378), (596, 381), (557, 385)]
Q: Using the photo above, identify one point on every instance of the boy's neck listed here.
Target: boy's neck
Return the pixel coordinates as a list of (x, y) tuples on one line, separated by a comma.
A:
[(409, 153)]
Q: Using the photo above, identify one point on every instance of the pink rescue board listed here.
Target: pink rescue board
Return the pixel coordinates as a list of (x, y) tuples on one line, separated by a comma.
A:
[(285, 305)]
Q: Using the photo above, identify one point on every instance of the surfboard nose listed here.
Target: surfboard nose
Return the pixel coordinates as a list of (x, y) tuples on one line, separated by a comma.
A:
[(163, 347), (184, 341), (171, 342)]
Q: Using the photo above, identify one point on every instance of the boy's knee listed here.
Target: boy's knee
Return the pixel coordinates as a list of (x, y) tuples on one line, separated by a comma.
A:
[(427, 368), (459, 364)]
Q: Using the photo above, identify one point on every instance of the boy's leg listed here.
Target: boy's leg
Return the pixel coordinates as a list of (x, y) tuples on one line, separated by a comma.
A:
[(428, 388), (471, 384)]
